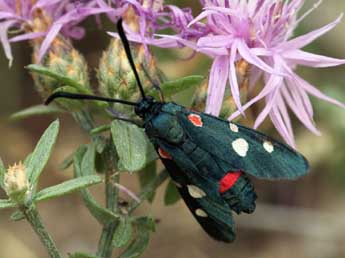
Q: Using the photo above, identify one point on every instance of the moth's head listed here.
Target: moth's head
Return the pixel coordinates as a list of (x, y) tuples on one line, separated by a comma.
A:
[(145, 106)]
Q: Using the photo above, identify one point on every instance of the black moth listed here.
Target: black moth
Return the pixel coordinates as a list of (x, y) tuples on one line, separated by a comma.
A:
[(209, 158)]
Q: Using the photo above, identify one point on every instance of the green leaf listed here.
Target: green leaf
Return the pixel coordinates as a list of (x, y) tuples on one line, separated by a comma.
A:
[(27, 160), (88, 161), (2, 173), (143, 225), (35, 111), (68, 161), (100, 143), (82, 255), (4, 204), (41, 154), (67, 187), (103, 215), (133, 148), (100, 129), (123, 233), (17, 215), (64, 80), (171, 195), (147, 223), (147, 176), (170, 88)]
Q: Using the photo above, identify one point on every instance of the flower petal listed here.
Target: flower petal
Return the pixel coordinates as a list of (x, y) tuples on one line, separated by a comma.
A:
[(312, 60), (4, 26), (235, 91), (216, 85), (315, 92), (246, 53), (306, 39)]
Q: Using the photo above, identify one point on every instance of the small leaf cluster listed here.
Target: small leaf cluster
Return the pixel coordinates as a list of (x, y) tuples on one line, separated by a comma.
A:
[(33, 167)]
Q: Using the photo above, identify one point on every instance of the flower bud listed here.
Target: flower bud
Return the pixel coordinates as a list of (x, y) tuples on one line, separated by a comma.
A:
[(61, 58), (116, 78), (16, 183)]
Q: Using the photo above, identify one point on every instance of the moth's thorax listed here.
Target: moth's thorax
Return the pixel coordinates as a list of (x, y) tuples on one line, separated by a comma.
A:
[(162, 123), (147, 108)]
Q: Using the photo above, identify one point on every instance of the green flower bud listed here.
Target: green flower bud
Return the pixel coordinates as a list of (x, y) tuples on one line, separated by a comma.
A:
[(61, 58), (16, 183), (116, 78)]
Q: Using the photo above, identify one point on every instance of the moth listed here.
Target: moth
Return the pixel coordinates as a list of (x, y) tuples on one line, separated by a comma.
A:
[(208, 158)]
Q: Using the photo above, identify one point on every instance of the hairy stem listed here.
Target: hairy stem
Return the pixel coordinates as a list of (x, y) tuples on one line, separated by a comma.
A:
[(105, 247), (32, 216)]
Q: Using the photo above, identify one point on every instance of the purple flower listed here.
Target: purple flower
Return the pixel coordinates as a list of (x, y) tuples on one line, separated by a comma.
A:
[(154, 17), (260, 33), (43, 20)]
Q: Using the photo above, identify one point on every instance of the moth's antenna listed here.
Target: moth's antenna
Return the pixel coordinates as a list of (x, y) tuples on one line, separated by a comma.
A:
[(129, 55), (68, 95)]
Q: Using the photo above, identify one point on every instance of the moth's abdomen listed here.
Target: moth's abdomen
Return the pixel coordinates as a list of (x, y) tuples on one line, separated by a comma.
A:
[(237, 190)]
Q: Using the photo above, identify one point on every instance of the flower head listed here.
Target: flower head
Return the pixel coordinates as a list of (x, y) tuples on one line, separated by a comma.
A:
[(43, 20), (16, 183), (153, 17), (259, 33)]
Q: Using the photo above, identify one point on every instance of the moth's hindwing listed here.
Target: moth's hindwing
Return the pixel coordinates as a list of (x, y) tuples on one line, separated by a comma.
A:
[(241, 148), (200, 193)]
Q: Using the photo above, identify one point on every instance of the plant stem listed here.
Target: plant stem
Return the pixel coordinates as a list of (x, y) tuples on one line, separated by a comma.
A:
[(105, 247), (32, 216), (147, 191)]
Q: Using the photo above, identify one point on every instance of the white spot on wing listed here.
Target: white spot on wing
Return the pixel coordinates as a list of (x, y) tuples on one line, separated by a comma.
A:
[(233, 127), (268, 146), (195, 191), (201, 213), (240, 146)]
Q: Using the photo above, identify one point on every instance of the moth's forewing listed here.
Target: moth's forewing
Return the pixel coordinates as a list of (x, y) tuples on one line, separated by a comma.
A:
[(245, 149)]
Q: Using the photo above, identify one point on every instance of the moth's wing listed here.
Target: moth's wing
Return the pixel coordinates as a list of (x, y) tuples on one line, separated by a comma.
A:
[(200, 194), (242, 148)]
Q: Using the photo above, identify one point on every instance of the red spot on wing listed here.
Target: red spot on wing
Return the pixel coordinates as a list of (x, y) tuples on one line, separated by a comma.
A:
[(195, 119), (228, 181), (163, 154)]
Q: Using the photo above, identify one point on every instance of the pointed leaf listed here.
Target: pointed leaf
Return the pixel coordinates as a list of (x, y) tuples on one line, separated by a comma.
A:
[(67, 187), (171, 195), (4, 204), (100, 129), (88, 161), (144, 225), (103, 215), (42, 153), (35, 111), (138, 246), (17, 215), (147, 176), (123, 233), (82, 255), (2, 173), (133, 148), (68, 161), (170, 88), (64, 80)]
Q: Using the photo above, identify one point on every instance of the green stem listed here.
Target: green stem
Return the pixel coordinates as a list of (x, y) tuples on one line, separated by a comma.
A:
[(105, 247), (32, 216), (148, 190)]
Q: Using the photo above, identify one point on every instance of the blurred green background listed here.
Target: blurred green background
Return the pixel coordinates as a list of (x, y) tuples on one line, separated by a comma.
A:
[(305, 218)]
